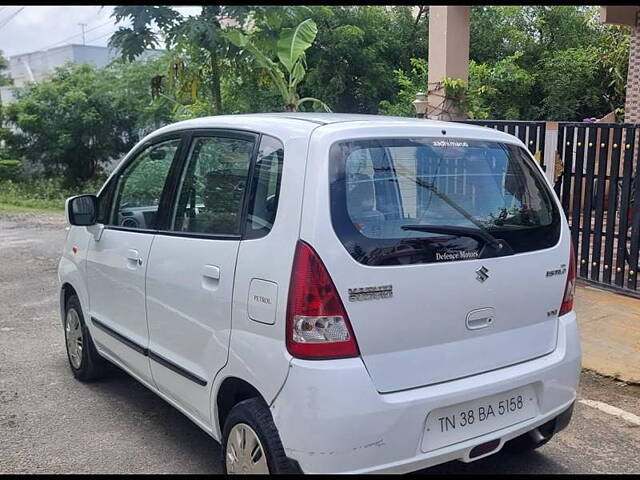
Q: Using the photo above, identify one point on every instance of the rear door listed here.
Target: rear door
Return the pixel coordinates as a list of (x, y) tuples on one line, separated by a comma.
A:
[(192, 267), (451, 280)]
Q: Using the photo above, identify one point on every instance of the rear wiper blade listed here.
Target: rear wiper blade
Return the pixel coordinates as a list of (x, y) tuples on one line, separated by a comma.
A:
[(479, 232), (476, 233)]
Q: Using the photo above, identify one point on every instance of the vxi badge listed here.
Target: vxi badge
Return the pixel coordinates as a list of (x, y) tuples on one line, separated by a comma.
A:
[(482, 274)]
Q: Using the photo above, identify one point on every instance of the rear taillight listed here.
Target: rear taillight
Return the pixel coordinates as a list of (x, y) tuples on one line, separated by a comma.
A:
[(317, 323), (570, 287)]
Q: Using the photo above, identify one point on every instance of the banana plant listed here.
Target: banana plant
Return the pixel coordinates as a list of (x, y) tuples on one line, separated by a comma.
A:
[(289, 71)]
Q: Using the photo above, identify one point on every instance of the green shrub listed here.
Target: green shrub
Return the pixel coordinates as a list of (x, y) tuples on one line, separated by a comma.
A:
[(10, 169), (41, 193)]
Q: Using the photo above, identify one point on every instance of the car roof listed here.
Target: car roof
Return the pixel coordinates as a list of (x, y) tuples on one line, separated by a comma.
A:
[(288, 124)]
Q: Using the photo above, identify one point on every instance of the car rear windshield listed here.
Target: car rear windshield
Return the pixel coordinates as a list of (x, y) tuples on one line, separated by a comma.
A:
[(421, 200)]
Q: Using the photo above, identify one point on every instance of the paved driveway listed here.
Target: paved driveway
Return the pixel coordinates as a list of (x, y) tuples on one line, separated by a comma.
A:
[(50, 423)]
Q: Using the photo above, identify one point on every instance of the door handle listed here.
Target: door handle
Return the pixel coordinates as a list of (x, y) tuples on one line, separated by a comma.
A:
[(210, 277), (211, 271), (133, 256)]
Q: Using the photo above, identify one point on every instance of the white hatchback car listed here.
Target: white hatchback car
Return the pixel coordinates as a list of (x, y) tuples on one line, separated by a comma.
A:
[(331, 293)]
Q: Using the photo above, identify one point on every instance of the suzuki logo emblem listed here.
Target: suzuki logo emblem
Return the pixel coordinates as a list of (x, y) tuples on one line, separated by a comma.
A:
[(481, 274)]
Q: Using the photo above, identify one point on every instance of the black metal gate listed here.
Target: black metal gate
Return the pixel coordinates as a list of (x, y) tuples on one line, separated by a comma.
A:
[(600, 193), (532, 134), (598, 185)]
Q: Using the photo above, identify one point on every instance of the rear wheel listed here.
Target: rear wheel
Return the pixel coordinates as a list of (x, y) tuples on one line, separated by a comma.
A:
[(85, 362), (251, 443)]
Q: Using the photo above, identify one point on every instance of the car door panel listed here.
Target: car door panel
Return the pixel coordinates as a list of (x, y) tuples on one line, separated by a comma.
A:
[(117, 258), (189, 315), (191, 270), (118, 296)]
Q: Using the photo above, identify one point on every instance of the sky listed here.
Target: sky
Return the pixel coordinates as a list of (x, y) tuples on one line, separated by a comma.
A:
[(29, 28)]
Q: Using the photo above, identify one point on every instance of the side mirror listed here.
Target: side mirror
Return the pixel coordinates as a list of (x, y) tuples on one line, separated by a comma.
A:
[(82, 210)]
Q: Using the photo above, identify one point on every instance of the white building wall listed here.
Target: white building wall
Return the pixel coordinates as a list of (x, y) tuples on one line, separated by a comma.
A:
[(36, 66)]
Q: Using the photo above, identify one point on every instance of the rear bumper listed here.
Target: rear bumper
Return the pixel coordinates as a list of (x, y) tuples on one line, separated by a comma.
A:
[(331, 418)]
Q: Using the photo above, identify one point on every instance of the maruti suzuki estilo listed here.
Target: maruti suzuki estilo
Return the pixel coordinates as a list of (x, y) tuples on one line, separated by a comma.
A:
[(329, 292)]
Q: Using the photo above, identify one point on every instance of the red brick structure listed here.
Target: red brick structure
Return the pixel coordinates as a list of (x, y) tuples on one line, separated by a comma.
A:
[(632, 103), (628, 15)]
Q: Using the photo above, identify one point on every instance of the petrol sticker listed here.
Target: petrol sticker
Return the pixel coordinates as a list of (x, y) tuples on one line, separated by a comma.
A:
[(261, 299)]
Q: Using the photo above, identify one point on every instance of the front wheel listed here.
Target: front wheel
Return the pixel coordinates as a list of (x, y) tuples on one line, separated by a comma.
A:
[(85, 362), (251, 444)]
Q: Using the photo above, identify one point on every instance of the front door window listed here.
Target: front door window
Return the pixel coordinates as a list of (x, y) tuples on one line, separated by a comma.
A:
[(140, 186)]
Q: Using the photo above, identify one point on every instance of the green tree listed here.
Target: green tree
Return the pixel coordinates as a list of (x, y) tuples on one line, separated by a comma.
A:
[(361, 61), (289, 71), (500, 31), (500, 90), (249, 89), (492, 35), (613, 60), (132, 81), (358, 49), (5, 79), (410, 84), (572, 88), (197, 42), (82, 117), (546, 62), (202, 31)]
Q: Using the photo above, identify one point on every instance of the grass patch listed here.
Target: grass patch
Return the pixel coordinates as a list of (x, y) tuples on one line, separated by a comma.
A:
[(5, 207), (39, 195)]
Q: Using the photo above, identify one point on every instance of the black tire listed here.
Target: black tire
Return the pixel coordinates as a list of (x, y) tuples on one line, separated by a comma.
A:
[(92, 365), (255, 413)]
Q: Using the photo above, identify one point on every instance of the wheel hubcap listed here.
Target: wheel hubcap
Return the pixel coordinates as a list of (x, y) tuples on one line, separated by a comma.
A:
[(73, 334), (244, 451)]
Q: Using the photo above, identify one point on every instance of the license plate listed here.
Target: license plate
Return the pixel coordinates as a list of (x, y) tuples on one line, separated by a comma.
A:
[(456, 423)]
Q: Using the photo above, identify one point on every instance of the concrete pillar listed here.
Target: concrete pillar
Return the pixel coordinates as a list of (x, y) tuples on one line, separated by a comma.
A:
[(632, 102), (551, 157), (448, 57)]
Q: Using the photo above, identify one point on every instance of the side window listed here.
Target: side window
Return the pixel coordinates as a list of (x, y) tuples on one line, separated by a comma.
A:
[(265, 188), (140, 185), (213, 185)]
